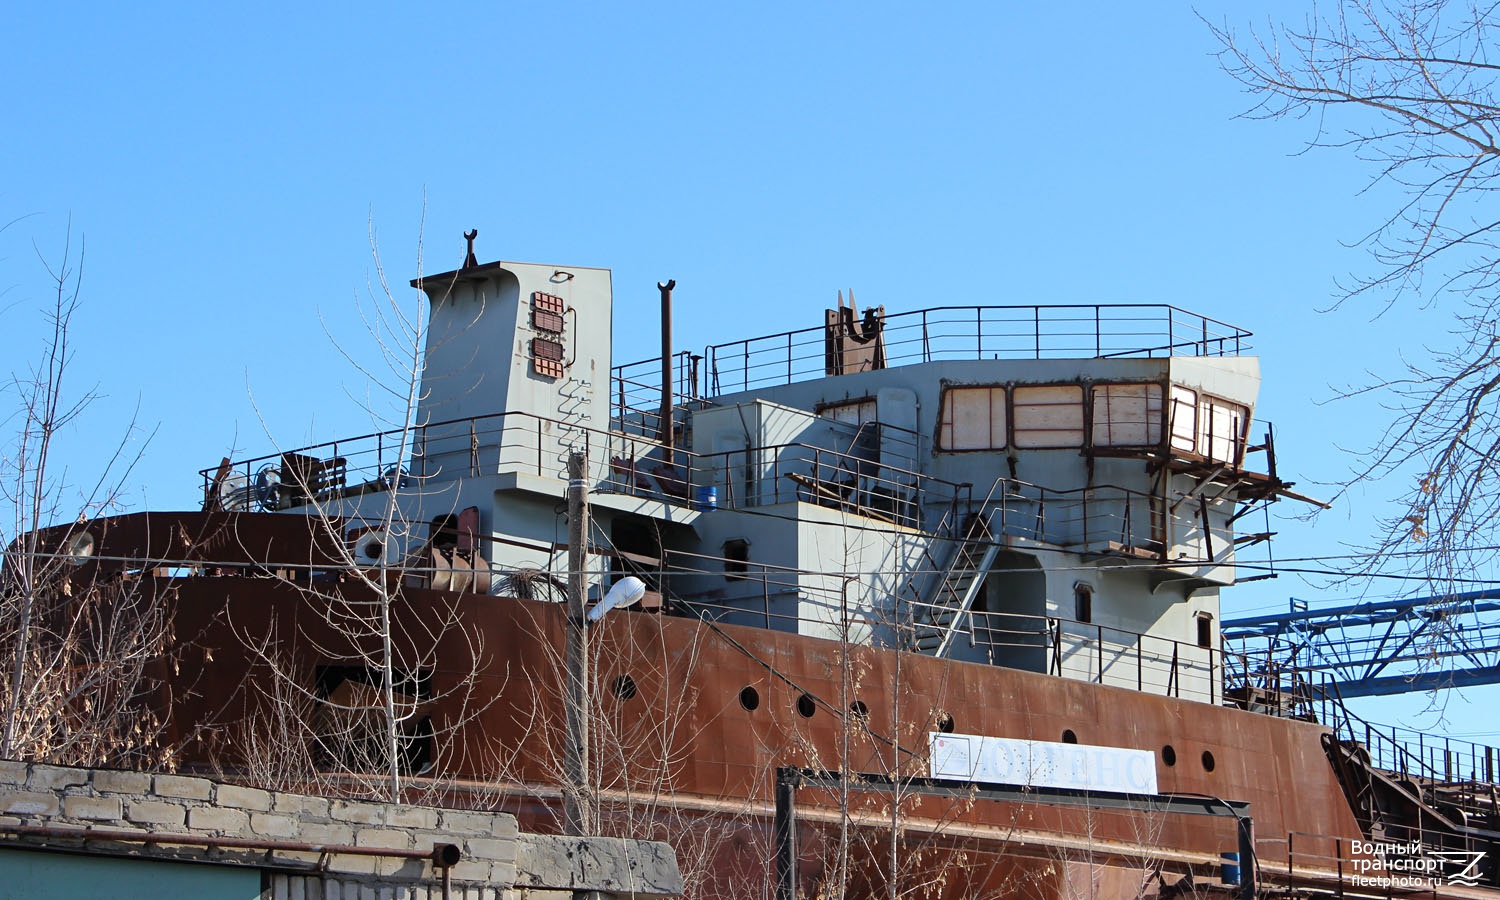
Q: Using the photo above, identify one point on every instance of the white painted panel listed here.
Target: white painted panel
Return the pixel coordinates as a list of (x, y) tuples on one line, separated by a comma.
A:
[(1127, 415), (1222, 427), (1049, 415), (998, 418), (973, 419), (968, 757)]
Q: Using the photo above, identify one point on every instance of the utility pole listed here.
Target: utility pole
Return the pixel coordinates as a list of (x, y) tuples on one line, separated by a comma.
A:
[(577, 802)]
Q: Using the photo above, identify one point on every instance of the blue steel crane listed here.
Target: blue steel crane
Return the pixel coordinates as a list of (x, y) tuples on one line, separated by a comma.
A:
[(1379, 647)]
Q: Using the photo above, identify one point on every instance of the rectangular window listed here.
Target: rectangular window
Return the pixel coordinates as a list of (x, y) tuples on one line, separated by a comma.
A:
[(973, 419), (1205, 630), (1083, 602), (1127, 415), (1222, 426), (1049, 415), (1184, 420), (736, 559)]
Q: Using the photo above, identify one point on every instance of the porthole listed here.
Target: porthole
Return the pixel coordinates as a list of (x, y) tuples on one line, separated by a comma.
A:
[(1168, 755), (1069, 737), (1208, 761), (806, 706), (859, 709), (749, 698), (623, 687), (945, 723)]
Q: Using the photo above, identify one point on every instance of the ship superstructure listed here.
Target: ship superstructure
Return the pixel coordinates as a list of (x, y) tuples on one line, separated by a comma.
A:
[(974, 483), (987, 523)]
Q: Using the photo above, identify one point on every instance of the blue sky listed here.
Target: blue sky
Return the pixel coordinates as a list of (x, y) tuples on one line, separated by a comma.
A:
[(223, 166)]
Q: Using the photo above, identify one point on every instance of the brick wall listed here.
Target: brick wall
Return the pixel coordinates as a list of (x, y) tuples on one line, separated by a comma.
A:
[(497, 862)]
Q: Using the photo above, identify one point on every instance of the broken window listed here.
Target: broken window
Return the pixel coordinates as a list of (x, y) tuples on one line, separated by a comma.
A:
[(1184, 419), (736, 559), (1222, 426), (973, 419), (1209, 426)]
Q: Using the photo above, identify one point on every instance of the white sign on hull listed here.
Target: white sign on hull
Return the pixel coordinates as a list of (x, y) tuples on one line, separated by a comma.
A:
[(968, 757)]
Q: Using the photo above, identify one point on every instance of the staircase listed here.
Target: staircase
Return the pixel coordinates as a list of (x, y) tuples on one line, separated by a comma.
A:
[(937, 621)]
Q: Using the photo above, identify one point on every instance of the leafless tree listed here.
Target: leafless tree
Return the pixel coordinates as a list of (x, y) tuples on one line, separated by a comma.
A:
[(1409, 88), (365, 690), (78, 653)]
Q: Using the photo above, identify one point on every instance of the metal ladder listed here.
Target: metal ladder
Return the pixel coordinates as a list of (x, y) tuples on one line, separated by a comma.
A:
[(936, 623)]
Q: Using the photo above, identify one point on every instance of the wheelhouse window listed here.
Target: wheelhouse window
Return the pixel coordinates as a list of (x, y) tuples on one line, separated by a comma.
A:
[(1222, 426), (1049, 415), (1209, 426), (973, 419), (1127, 415), (1184, 419)]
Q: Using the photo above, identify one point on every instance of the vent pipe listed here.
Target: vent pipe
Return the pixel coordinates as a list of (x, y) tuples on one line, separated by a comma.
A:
[(666, 366)]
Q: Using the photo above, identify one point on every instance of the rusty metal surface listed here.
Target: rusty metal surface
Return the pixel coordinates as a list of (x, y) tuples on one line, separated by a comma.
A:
[(151, 540), (683, 729), (852, 344)]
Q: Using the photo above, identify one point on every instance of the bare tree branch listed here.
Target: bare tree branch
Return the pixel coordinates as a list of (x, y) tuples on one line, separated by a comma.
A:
[(1410, 88)]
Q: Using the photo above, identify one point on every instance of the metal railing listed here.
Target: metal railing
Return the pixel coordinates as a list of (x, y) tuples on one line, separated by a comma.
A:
[(1432, 757), (1463, 772), (1086, 517), (426, 454), (781, 473), (1098, 653), (635, 395), (938, 333), (1293, 692), (879, 481), (621, 463), (1051, 645), (984, 332)]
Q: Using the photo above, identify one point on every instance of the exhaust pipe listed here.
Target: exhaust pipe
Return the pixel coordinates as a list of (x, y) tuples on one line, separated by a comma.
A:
[(666, 367)]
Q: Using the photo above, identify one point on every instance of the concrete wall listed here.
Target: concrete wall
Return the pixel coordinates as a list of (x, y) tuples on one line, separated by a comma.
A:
[(497, 863)]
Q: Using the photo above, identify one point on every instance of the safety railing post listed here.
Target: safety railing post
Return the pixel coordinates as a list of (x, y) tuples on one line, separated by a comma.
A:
[(765, 597)]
